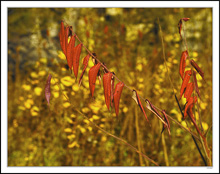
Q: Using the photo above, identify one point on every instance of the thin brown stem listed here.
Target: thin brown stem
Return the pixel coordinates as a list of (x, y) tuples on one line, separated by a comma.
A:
[(125, 85)]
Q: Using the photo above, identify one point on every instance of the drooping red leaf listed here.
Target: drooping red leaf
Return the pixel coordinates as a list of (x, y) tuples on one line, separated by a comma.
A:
[(180, 28), (189, 90), (196, 84), (183, 63), (185, 19), (198, 69), (62, 37), (167, 121), (117, 94), (139, 103), (112, 89), (66, 36), (154, 109), (47, 89), (76, 56), (190, 113), (92, 77), (185, 82), (190, 103), (69, 52), (107, 77), (85, 63)]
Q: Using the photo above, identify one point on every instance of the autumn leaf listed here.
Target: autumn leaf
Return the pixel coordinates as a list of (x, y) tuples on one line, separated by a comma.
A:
[(138, 101), (183, 63), (66, 35), (189, 90), (190, 113), (198, 69), (154, 109), (117, 94), (112, 89), (69, 52), (47, 89), (180, 28), (196, 84), (185, 82), (167, 121), (107, 77), (190, 103), (76, 56), (85, 63), (92, 77), (185, 19)]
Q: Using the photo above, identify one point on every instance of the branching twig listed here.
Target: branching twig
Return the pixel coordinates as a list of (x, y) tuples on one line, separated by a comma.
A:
[(128, 86)]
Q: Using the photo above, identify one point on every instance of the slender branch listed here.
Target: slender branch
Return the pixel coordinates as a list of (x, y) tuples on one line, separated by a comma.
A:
[(127, 85), (120, 139)]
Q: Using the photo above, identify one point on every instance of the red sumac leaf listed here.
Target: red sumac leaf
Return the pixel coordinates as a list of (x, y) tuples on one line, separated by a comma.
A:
[(76, 56), (180, 28), (185, 82), (196, 84), (167, 121), (185, 19), (189, 90), (107, 77), (112, 89), (183, 63), (47, 89), (139, 103), (92, 77), (190, 103), (69, 52), (198, 69), (66, 36), (190, 113), (117, 94), (85, 63), (154, 109)]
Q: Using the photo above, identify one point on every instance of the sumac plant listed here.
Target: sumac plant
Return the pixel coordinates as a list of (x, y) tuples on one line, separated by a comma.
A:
[(113, 91)]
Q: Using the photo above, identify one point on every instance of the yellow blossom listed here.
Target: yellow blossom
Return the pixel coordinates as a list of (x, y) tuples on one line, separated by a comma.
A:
[(38, 91)]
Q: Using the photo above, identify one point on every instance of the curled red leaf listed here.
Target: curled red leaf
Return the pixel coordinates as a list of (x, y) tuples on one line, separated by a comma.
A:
[(190, 103), (112, 89), (76, 56), (198, 69), (167, 121), (85, 63), (154, 109), (137, 99), (66, 36), (180, 28), (69, 52), (185, 19), (117, 95), (190, 113), (185, 82), (47, 89), (183, 63), (196, 84), (92, 77), (189, 90), (107, 88)]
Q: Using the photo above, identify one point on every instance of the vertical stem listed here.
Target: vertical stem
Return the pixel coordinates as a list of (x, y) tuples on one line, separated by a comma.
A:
[(165, 150), (138, 134)]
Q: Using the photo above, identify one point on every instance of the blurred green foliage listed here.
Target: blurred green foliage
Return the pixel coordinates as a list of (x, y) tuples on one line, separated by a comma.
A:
[(128, 41)]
